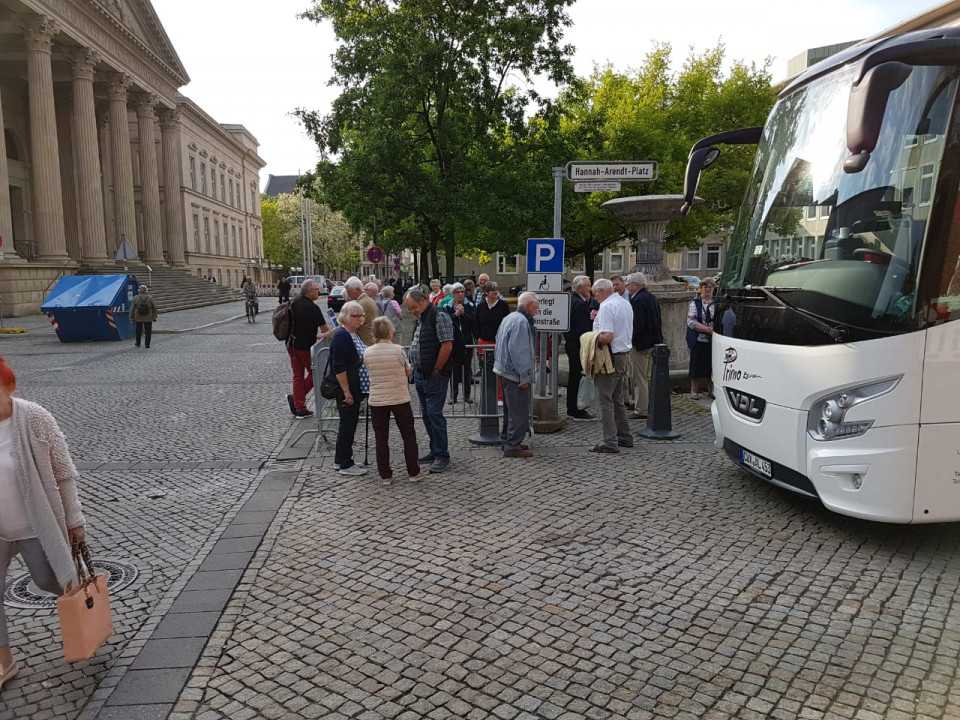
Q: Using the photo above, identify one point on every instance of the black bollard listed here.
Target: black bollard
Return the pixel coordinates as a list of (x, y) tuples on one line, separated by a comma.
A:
[(659, 417), (489, 433)]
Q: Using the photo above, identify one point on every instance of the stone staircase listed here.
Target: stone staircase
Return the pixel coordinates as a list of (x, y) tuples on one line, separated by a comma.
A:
[(171, 289)]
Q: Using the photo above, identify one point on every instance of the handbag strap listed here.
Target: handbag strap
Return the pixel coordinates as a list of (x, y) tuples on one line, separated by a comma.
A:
[(83, 561)]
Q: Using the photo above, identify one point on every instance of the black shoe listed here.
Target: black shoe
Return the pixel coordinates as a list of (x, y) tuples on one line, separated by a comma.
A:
[(469, 400), (136, 344), (624, 443), (439, 465), (604, 449), (425, 459), (293, 408), (302, 414), (580, 415)]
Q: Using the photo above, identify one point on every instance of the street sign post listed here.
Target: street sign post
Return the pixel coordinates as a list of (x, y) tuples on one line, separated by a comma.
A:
[(545, 282), (597, 186), (545, 255), (553, 315), (627, 171), (375, 255)]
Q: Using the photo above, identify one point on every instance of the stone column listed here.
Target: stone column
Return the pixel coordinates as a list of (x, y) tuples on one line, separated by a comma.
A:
[(172, 177), (87, 156), (39, 31), (149, 181), (6, 220), (123, 208), (111, 237)]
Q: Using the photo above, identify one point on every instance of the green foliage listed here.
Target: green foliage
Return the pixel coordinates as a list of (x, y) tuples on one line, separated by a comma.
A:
[(429, 96), (277, 247)]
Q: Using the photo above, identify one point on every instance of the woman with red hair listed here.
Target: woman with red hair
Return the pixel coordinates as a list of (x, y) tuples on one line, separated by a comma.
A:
[(40, 514)]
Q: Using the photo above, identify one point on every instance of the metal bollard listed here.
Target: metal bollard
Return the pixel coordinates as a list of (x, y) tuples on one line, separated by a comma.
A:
[(659, 417), (489, 433)]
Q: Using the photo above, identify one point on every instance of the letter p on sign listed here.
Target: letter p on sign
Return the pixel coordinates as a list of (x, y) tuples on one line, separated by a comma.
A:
[(545, 255)]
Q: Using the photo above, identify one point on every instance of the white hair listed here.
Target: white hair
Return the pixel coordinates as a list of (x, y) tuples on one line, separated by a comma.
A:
[(387, 291), (457, 286), (603, 284), (638, 277), (308, 285), (526, 298), (353, 282), (580, 280)]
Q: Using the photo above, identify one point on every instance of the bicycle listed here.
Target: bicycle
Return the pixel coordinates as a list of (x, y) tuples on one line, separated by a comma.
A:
[(251, 307)]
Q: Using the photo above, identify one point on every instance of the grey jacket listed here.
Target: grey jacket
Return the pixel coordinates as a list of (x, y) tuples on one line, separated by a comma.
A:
[(514, 357), (48, 481)]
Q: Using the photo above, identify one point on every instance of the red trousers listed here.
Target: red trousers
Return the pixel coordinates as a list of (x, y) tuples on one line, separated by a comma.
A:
[(300, 364)]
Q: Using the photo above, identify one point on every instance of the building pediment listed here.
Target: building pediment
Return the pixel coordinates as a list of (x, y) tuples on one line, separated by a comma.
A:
[(139, 19)]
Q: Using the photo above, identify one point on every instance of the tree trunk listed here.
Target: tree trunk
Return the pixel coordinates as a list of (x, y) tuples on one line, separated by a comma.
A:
[(434, 260), (450, 254)]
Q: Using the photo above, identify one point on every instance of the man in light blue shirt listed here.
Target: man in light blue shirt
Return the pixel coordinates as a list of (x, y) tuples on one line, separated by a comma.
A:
[(514, 361)]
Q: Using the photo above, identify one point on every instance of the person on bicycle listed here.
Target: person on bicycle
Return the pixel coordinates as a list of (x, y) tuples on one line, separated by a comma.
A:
[(250, 293)]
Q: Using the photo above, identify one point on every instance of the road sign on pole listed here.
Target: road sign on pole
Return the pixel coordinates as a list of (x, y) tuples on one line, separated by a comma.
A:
[(545, 282), (597, 186), (554, 312), (630, 171), (545, 255), (375, 255)]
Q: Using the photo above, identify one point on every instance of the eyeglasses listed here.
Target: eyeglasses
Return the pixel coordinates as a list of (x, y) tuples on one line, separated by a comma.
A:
[(360, 315)]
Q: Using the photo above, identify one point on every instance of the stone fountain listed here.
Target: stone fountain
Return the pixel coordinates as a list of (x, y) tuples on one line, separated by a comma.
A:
[(650, 214)]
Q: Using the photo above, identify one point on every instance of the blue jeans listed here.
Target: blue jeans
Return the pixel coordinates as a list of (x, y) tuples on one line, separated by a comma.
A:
[(432, 392)]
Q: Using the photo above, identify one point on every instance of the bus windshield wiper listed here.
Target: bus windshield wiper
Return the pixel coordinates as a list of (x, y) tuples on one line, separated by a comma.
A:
[(837, 333)]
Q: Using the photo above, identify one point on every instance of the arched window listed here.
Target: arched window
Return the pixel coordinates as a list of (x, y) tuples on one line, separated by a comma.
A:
[(13, 150)]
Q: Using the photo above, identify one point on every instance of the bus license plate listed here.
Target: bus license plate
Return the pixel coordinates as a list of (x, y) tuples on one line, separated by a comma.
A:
[(755, 462)]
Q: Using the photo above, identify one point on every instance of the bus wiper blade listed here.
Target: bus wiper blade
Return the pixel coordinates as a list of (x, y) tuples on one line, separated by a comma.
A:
[(837, 333)]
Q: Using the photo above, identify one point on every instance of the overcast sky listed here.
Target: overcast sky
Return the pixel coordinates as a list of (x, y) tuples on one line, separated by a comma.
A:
[(253, 62)]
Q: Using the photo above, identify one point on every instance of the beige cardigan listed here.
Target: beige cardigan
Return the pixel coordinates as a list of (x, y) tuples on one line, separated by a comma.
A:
[(48, 481), (388, 379)]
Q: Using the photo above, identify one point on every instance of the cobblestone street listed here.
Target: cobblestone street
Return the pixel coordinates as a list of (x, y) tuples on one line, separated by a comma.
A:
[(661, 583)]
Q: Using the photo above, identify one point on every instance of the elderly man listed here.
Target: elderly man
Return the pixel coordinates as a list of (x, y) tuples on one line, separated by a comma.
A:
[(430, 356), (647, 332), (309, 325), (614, 323), (372, 290), (514, 361), (581, 304), (481, 281), (354, 290)]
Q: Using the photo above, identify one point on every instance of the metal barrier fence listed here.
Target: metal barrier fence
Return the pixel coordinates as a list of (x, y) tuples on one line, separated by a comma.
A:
[(487, 408)]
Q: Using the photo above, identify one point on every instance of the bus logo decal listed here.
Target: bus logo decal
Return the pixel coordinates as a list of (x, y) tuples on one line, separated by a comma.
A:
[(729, 355), (750, 406)]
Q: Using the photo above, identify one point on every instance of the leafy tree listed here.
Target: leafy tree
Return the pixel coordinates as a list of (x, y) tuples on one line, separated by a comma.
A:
[(334, 242), (429, 90), (278, 247)]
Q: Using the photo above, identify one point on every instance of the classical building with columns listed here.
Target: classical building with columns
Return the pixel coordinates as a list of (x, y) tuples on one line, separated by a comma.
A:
[(99, 145)]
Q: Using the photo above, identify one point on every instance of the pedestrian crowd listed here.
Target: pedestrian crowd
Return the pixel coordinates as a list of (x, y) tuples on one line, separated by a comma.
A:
[(614, 325)]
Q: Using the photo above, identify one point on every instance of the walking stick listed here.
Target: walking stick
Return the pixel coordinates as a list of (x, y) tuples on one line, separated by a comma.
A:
[(366, 439)]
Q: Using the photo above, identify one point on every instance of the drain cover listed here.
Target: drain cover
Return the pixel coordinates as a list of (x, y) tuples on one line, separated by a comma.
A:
[(22, 593)]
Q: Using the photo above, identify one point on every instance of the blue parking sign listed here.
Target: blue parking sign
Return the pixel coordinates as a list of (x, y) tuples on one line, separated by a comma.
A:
[(544, 255)]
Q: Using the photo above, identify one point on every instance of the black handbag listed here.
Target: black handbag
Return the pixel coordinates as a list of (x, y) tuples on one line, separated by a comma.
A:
[(329, 387)]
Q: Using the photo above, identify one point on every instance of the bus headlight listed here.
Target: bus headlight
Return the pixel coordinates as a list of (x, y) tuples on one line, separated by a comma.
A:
[(826, 418)]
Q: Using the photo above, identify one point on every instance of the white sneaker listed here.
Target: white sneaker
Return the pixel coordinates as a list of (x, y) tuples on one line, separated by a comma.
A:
[(388, 481), (353, 470), (416, 478)]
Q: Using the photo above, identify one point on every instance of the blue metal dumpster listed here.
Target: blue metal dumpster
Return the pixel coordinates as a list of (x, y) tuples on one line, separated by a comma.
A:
[(92, 307)]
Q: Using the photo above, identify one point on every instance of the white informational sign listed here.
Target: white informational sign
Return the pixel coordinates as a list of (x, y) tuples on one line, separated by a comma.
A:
[(597, 186), (629, 171), (545, 282), (554, 312)]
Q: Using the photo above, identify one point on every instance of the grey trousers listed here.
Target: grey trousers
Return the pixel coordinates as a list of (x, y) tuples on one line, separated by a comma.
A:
[(39, 568), (642, 362), (610, 403), (516, 413)]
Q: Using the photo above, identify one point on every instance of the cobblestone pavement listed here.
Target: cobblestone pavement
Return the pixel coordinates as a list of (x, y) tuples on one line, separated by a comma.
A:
[(657, 583)]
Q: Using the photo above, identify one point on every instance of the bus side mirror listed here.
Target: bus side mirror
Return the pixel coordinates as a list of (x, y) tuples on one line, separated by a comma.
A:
[(868, 103), (698, 161)]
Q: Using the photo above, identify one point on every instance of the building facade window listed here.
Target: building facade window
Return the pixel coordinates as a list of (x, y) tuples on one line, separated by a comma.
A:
[(193, 173), (811, 212), (616, 262), (713, 257), (206, 235), (507, 264), (216, 236), (598, 264), (693, 259), (223, 189), (196, 233), (231, 192), (253, 199), (926, 184), (203, 178), (233, 233), (243, 251)]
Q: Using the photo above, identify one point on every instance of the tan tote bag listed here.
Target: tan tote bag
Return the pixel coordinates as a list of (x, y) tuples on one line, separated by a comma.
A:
[(84, 610)]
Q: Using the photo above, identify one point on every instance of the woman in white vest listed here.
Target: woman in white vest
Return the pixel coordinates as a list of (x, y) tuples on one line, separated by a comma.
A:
[(390, 309)]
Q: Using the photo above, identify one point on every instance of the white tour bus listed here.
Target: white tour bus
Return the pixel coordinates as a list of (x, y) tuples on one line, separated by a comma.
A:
[(836, 353)]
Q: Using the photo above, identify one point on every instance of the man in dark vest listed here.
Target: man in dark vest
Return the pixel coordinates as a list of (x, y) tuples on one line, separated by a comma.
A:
[(647, 332), (430, 356)]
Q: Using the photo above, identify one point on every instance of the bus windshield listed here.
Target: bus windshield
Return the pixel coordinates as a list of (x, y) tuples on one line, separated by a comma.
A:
[(851, 249)]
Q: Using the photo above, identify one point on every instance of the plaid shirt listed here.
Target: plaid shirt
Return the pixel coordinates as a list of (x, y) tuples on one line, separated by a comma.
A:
[(444, 334)]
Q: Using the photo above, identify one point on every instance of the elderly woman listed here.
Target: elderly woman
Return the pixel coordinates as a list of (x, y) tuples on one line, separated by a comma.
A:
[(389, 369), (40, 515), (346, 365), (461, 310), (491, 310), (390, 309), (143, 312), (700, 317)]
